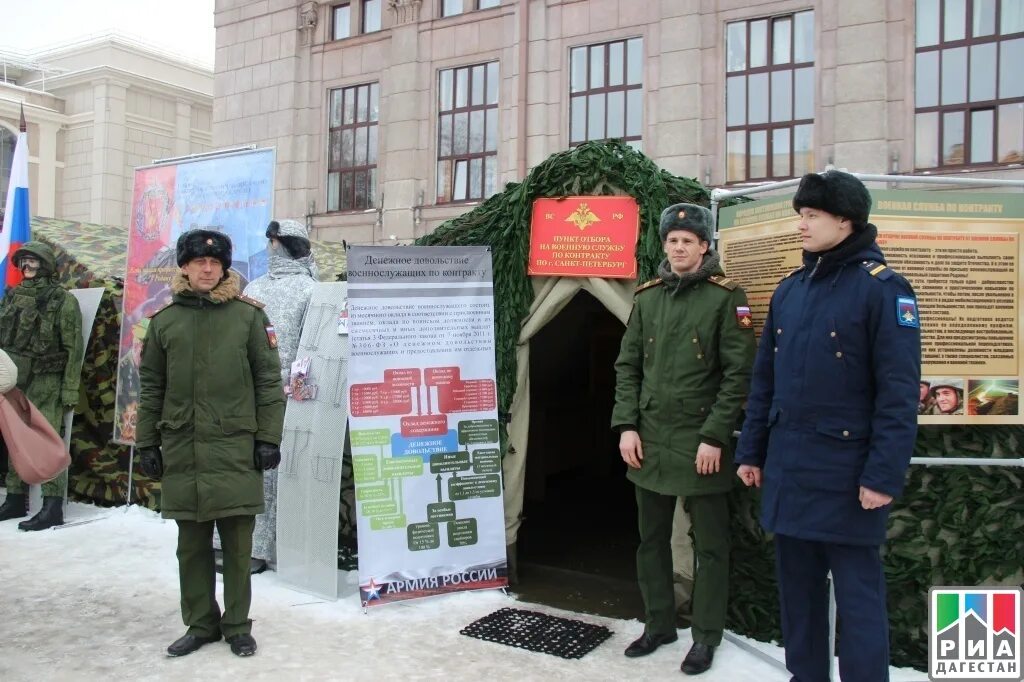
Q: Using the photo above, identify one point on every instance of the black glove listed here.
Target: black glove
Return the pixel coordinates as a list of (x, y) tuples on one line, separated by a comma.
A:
[(151, 462), (266, 455)]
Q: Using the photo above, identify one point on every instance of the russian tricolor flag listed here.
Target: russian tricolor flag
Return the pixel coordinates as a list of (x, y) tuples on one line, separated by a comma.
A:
[(16, 230)]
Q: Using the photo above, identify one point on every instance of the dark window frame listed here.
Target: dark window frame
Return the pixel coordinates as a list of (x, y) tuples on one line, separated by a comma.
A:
[(606, 90), (363, 14), (967, 107), (467, 7), (769, 127), (367, 170), (453, 159), (334, 16)]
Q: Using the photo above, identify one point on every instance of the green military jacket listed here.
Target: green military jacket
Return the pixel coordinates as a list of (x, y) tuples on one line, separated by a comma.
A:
[(210, 385), (41, 330), (682, 377)]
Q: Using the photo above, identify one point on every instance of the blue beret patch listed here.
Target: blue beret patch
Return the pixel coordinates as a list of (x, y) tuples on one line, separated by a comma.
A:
[(906, 312)]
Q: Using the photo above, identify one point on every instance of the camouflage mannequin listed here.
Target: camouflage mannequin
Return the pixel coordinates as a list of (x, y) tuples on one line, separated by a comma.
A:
[(41, 329)]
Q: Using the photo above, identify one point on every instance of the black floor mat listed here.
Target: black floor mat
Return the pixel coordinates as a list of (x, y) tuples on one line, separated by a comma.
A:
[(536, 631)]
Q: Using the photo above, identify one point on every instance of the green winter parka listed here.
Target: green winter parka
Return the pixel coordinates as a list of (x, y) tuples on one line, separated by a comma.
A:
[(682, 377), (210, 386)]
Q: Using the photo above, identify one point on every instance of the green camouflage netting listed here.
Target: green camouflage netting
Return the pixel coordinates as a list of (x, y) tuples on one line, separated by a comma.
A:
[(91, 255)]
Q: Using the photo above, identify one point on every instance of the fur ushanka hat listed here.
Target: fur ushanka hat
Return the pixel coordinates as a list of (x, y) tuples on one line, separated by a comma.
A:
[(835, 192), (689, 217), (201, 243)]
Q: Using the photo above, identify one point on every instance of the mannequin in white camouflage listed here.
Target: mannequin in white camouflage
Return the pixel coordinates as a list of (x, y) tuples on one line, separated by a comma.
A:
[(285, 292)]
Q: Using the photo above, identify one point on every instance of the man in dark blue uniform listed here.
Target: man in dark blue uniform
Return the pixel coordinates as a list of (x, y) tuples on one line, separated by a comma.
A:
[(830, 427)]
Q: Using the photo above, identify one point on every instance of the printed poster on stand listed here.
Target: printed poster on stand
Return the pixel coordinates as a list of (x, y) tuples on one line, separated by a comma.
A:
[(231, 193), (962, 253), (424, 422)]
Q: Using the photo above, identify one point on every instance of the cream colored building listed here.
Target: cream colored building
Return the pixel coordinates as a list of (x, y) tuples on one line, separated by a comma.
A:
[(726, 91), (95, 110)]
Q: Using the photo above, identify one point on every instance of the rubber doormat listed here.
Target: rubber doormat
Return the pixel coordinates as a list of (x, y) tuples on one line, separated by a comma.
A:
[(535, 631)]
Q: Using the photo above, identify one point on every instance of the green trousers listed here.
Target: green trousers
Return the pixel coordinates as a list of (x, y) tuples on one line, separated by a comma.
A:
[(198, 580), (52, 488), (709, 515)]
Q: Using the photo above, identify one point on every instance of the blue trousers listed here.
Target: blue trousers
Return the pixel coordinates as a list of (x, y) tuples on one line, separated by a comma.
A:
[(802, 568)]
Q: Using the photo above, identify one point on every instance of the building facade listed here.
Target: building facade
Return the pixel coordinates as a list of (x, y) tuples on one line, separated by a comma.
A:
[(95, 110), (390, 116)]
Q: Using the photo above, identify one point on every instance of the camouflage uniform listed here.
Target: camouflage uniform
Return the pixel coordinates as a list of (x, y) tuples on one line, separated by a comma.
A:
[(41, 329)]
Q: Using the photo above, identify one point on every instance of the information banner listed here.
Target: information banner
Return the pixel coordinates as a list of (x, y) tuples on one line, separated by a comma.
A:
[(584, 237), (231, 193), (961, 251), (423, 422)]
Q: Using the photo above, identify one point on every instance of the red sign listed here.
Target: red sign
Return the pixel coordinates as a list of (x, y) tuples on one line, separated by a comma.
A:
[(426, 425), (473, 395), (584, 237)]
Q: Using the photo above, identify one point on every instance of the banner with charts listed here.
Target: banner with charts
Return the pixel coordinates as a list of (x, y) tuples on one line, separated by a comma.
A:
[(961, 251), (424, 422), (231, 193)]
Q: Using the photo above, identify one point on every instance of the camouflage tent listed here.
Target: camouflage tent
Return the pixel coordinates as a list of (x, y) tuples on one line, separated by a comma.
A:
[(91, 255)]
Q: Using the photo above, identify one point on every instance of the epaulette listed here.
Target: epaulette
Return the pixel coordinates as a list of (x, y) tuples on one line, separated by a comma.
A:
[(648, 285), (251, 301), (160, 309), (723, 282), (876, 269), (793, 272)]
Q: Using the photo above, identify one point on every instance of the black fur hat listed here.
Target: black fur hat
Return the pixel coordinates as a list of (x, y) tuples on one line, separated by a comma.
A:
[(835, 192), (292, 235), (689, 217), (201, 243)]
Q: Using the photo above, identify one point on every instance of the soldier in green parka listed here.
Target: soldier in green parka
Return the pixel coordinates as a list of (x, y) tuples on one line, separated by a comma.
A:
[(41, 329), (211, 410), (683, 373)]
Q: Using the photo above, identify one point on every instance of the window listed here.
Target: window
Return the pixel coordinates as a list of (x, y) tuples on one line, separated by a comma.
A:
[(606, 92), (450, 8), (467, 132), (769, 97), (341, 21), (371, 16), (352, 171), (969, 92)]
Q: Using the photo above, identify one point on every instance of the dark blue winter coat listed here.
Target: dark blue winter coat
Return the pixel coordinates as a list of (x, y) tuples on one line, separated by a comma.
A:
[(833, 399)]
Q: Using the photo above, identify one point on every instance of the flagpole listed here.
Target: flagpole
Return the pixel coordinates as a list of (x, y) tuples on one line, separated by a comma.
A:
[(16, 221)]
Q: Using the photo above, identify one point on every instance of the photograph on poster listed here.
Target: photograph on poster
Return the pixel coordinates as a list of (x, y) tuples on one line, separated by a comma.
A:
[(945, 396), (992, 396)]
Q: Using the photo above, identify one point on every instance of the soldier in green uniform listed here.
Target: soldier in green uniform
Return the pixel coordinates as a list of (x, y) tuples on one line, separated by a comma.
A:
[(683, 373), (211, 410), (41, 329)]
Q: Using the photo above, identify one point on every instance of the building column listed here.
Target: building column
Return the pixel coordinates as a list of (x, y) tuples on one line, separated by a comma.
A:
[(859, 120), (46, 184), (182, 128), (107, 205), (402, 103)]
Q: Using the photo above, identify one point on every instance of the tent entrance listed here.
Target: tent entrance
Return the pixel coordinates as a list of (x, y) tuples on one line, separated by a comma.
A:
[(577, 544)]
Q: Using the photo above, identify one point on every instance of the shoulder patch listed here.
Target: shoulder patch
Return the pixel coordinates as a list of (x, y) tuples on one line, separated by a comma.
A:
[(723, 282), (251, 301), (906, 312), (160, 309), (876, 269), (793, 272), (648, 285)]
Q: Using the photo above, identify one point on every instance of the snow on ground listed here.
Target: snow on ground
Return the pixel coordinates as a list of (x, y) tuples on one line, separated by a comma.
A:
[(99, 600)]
